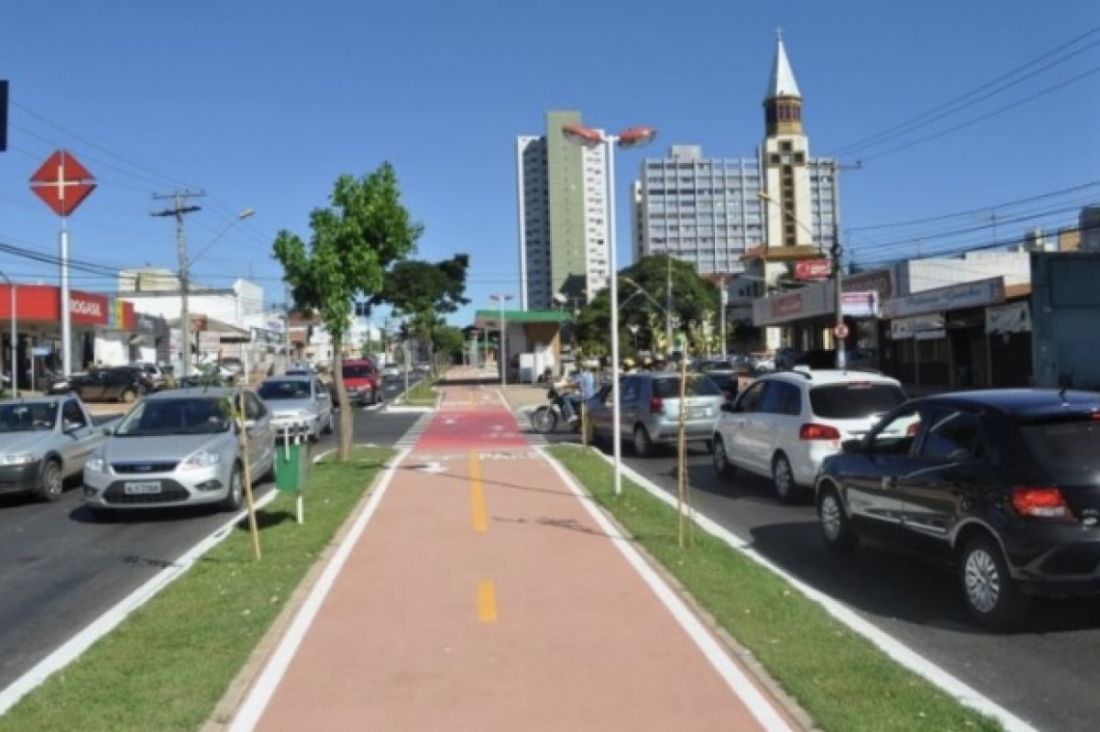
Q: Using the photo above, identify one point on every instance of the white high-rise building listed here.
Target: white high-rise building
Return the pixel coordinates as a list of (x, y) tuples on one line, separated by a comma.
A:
[(563, 216)]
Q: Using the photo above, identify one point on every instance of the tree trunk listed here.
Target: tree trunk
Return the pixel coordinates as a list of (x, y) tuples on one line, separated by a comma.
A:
[(346, 422)]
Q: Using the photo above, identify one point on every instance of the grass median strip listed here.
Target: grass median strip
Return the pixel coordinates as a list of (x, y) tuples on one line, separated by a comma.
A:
[(168, 664), (421, 393), (840, 678)]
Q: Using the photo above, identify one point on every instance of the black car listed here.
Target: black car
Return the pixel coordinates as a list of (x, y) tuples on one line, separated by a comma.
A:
[(121, 383), (1002, 486)]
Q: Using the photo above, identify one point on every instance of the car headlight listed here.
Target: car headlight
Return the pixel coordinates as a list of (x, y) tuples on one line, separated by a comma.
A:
[(201, 459), (96, 464), (18, 458)]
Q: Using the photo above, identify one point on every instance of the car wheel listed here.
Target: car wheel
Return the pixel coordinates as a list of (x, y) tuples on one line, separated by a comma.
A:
[(235, 497), (643, 445), (128, 396), (835, 525), (783, 479), (719, 458), (991, 595), (50, 481)]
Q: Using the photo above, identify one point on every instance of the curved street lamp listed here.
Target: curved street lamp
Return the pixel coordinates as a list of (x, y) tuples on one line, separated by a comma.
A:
[(630, 137)]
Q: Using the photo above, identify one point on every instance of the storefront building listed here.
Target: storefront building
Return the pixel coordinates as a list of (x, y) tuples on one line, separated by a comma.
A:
[(100, 325), (970, 335)]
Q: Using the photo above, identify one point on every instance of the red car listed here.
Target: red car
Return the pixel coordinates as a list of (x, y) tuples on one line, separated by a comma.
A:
[(362, 381)]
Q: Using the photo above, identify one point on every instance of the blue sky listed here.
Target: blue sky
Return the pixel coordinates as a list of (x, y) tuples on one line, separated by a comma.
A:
[(263, 104)]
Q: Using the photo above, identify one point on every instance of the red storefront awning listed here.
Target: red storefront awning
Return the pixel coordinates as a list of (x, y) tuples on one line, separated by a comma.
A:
[(42, 304)]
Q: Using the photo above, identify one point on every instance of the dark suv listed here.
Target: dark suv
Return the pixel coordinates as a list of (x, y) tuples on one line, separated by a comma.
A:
[(121, 383), (1003, 486)]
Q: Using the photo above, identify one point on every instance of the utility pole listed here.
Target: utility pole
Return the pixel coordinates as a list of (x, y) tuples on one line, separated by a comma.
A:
[(838, 272), (286, 330), (179, 210), (722, 299)]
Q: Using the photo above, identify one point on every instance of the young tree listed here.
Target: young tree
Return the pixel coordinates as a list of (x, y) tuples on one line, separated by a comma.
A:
[(424, 291), (361, 233)]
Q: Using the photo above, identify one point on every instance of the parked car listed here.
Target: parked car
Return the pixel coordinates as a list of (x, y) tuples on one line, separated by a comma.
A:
[(362, 381), (1002, 486), (42, 443), (785, 424), (726, 381), (300, 406), (234, 366), (119, 383), (650, 413), (391, 371), (195, 381), (180, 448), (154, 374)]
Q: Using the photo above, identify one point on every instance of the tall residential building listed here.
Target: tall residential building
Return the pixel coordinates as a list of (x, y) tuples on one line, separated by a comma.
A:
[(563, 216), (712, 211)]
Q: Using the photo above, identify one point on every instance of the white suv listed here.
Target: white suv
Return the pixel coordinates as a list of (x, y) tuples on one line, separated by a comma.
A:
[(785, 424)]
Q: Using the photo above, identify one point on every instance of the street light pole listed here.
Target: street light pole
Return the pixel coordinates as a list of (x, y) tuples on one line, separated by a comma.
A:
[(500, 299), (838, 274), (14, 339), (631, 137)]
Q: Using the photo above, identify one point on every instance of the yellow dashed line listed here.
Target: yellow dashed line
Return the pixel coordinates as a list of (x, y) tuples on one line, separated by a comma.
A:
[(478, 515), (486, 602)]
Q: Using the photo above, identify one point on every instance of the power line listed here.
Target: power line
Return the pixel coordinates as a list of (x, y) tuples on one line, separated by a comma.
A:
[(983, 117), (972, 211), (969, 96)]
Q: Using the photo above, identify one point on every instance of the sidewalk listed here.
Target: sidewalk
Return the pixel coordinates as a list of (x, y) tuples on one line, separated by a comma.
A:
[(485, 594)]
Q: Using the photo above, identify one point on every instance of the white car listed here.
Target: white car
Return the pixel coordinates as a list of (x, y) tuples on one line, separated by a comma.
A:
[(784, 424)]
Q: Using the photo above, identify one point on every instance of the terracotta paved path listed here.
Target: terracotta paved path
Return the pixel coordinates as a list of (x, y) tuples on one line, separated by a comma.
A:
[(484, 596)]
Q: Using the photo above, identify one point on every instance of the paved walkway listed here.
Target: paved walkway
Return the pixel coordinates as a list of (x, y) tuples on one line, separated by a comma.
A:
[(485, 594)]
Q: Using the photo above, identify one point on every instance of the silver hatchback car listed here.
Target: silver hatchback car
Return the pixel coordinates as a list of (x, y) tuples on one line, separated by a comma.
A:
[(180, 448), (651, 409), (300, 406)]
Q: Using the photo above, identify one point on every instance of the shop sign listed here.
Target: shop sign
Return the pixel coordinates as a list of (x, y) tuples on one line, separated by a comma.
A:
[(953, 297), (813, 269), (266, 337), (209, 341), (860, 304), (879, 281), (787, 305), (1012, 318), (903, 328)]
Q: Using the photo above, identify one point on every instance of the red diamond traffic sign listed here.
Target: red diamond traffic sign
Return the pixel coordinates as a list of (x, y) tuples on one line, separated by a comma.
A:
[(62, 182)]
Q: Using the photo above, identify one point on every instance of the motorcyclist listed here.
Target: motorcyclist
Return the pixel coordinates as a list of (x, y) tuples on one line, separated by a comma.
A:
[(580, 388)]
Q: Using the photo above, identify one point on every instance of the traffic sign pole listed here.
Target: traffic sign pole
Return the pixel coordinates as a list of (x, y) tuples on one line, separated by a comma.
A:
[(63, 183), (66, 316)]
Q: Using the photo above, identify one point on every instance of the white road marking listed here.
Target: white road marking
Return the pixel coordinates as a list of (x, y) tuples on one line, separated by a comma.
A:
[(431, 467), (260, 694), (885, 642), (71, 649), (743, 687)]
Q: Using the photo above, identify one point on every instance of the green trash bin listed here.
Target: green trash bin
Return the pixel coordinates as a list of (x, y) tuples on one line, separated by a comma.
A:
[(291, 464)]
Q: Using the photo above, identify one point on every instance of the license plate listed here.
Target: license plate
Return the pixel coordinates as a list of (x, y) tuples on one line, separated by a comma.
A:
[(141, 489)]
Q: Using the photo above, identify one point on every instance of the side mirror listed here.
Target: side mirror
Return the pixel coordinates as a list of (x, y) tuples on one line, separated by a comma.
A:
[(853, 447), (107, 431)]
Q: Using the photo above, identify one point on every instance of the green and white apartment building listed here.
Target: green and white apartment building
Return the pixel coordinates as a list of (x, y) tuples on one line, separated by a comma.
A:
[(563, 216)]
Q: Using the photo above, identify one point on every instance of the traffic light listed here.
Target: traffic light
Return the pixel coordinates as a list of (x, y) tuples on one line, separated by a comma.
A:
[(3, 115)]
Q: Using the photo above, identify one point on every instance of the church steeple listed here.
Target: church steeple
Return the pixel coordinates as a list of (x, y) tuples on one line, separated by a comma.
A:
[(783, 101)]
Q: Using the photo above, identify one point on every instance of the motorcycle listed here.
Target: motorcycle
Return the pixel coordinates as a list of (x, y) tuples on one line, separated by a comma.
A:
[(546, 418)]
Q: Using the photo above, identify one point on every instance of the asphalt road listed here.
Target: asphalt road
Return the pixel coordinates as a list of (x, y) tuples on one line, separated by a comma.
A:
[(1047, 674), (61, 569)]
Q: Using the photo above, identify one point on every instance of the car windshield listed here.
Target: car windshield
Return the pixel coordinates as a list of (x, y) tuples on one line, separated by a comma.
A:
[(669, 387), (187, 416), (28, 417), (1069, 451), (288, 389), (854, 400), (357, 371)]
